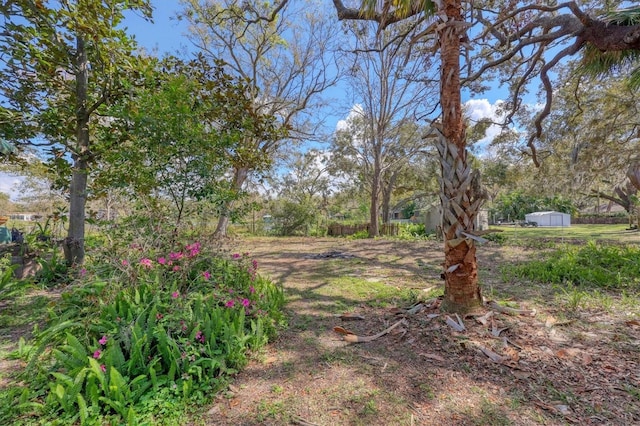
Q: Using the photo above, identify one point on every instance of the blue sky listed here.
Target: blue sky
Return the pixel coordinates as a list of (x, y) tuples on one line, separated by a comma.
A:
[(167, 35)]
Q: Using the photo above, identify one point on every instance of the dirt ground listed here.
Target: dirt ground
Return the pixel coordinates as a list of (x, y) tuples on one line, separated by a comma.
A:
[(547, 366)]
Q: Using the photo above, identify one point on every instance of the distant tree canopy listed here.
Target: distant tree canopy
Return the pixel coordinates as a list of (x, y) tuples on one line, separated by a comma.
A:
[(515, 205)]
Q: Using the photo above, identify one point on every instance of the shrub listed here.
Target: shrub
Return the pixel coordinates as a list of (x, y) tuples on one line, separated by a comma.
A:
[(612, 267), (178, 323)]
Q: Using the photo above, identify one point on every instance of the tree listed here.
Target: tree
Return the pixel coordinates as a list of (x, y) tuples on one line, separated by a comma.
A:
[(389, 81), (523, 31), (283, 51), (61, 65), (174, 133)]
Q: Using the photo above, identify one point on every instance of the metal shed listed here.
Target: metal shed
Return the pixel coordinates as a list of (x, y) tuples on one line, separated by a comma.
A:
[(549, 218)]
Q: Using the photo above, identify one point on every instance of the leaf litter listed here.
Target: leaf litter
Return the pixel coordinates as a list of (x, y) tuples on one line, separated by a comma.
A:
[(511, 365)]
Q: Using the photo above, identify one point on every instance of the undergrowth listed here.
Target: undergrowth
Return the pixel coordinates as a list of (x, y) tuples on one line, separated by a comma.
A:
[(608, 267), (140, 338)]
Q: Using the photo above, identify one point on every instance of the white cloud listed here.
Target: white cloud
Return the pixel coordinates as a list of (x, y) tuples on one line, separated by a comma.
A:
[(356, 111), (9, 184), (478, 109)]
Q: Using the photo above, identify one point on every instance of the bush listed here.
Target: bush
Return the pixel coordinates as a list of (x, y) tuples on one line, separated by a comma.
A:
[(175, 325), (611, 267)]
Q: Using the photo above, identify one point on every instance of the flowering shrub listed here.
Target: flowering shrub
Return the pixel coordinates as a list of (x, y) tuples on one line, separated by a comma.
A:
[(181, 320)]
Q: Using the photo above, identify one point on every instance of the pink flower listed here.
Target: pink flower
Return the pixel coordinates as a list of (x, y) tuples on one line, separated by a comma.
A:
[(83, 272), (252, 289), (200, 336), (103, 368), (230, 304), (254, 263), (246, 303), (175, 255), (159, 316), (176, 268), (175, 295), (97, 353), (145, 262), (162, 260), (206, 275), (103, 341), (125, 262), (236, 255), (193, 249)]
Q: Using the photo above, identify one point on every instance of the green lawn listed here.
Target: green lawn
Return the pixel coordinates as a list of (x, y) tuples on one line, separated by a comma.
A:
[(613, 233)]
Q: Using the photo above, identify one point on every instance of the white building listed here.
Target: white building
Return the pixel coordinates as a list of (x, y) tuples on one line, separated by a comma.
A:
[(549, 218)]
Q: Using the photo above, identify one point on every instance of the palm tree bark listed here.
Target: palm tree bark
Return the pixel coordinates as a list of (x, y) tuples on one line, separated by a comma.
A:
[(459, 202)]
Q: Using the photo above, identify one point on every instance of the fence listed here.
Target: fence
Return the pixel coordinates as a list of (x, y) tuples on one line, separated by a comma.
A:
[(600, 220), (339, 230)]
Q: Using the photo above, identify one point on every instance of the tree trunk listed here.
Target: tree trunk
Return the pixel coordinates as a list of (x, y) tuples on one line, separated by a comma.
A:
[(459, 201), (240, 175), (374, 225), (74, 243), (387, 190)]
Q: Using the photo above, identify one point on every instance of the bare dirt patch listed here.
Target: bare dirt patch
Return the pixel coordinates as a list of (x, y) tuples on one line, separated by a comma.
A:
[(549, 369)]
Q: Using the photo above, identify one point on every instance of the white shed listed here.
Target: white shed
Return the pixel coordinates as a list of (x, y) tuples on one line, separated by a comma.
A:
[(549, 218)]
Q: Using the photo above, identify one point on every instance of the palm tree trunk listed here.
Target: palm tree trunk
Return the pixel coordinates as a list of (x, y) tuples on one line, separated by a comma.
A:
[(459, 203)]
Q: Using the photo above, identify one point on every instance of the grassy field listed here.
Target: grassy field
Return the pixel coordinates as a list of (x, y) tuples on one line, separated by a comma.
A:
[(609, 233)]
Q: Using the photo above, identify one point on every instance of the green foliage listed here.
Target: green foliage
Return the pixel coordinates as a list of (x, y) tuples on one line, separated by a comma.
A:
[(8, 284), (413, 230), (293, 218), (175, 324), (607, 267), (496, 237), (360, 235), (515, 205)]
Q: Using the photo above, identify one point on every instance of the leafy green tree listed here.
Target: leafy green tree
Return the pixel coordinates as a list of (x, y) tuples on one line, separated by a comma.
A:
[(175, 134), (61, 65), (284, 51)]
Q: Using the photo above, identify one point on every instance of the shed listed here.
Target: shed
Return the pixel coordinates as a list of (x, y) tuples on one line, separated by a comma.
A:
[(433, 219), (549, 218)]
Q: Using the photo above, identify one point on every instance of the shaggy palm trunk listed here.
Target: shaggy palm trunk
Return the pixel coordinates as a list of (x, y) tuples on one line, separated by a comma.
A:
[(73, 245), (240, 175), (459, 202)]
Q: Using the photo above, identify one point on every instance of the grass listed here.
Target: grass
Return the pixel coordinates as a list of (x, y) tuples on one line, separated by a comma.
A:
[(359, 290), (614, 233)]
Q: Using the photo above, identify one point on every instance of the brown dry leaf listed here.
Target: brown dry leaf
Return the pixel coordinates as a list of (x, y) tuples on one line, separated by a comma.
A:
[(485, 318), (351, 317), (632, 323), (432, 356), (512, 353), (341, 330), (586, 359), (399, 330), (522, 375), (567, 353), (491, 354), (456, 325), (550, 322), (270, 360)]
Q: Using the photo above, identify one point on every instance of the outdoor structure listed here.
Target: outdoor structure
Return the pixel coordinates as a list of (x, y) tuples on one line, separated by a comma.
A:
[(433, 219), (549, 218)]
